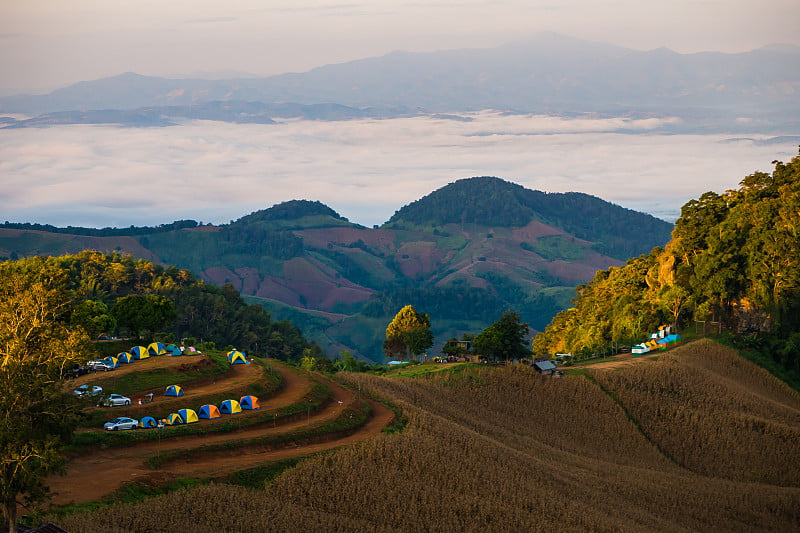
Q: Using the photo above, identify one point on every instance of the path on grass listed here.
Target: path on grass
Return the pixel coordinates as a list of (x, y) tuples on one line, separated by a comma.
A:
[(98, 473), (621, 361)]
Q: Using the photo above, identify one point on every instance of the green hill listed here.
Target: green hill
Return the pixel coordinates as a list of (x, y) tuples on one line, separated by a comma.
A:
[(732, 266), (464, 254)]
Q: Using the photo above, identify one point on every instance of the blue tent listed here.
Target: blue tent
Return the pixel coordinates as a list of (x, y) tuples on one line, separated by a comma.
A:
[(148, 422), (112, 361), (208, 411), (174, 390), (237, 358), (249, 403), (125, 357), (230, 407), (173, 350)]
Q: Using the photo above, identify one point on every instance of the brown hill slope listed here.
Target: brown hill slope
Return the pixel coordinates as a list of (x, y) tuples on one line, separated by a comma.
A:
[(508, 450)]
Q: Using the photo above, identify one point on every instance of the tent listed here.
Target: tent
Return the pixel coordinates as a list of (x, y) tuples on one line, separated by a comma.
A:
[(230, 407), (208, 411), (174, 390), (125, 357), (173, 350), (111, 360), (189, 416), (139, 352), (156, 348), (249, 402), (174, 419), (191, 351), (148, 422), (237, 358)]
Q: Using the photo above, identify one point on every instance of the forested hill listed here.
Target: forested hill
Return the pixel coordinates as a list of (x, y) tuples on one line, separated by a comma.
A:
[(734, 259), (493, 202), (464, 254), (296, 214), (109, 292)]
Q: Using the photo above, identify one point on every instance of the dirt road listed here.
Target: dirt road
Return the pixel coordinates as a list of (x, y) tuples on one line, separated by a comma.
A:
[(94, 475)]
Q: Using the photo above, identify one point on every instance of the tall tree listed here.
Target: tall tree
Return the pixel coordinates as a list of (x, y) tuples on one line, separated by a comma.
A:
[(36, 345), (505, 338), (408, 334)]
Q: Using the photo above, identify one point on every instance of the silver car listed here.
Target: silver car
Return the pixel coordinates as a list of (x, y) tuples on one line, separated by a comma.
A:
[(116, 399), (122, 422)]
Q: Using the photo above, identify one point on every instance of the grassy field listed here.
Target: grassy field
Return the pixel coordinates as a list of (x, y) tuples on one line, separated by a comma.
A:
[(670, 445)]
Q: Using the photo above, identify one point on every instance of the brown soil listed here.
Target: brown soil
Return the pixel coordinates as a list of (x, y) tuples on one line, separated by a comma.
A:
[(622, 361), (91, 476)]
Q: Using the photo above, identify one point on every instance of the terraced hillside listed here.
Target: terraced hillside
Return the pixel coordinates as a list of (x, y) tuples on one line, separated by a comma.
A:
[(301, 413), (505, 449)]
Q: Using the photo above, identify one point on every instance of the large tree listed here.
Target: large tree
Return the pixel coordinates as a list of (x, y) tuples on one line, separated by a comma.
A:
[(504, 339), (36, 345), (409, 334), (144, 312)]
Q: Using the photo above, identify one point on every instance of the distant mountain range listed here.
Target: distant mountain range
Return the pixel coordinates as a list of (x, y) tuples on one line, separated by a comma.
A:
[(465, 253), (547, 74)]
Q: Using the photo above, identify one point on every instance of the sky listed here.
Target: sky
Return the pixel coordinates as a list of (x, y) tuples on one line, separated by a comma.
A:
[(46, 44)]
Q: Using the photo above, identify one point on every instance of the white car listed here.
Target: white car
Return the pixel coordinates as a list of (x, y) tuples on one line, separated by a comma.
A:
[(122, 422), (99, 365), (116, 399), (84, 391)]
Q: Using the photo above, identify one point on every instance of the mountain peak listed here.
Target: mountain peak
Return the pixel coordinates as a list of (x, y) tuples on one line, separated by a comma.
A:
[(293, 210)]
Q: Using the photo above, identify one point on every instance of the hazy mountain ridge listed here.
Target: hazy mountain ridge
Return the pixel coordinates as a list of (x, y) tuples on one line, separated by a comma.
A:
[(548, 74), (335, 279)]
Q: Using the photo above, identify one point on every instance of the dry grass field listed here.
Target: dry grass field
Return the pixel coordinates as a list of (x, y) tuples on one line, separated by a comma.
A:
[(668, 446)]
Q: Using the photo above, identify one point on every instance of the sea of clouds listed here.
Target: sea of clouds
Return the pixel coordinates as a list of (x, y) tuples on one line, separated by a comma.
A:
[(215, 172)]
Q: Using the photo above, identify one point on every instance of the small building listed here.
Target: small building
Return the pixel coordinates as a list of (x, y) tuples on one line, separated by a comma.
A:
[(545, 368)]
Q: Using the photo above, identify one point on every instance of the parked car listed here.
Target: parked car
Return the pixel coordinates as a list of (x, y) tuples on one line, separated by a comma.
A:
[(84, 391), (75, 371), (122, 422), (99, 365), (115, 399)]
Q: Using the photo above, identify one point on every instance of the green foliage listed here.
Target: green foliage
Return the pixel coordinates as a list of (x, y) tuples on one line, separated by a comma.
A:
[(493, 202), (36, 345), (505, 339), (554, 247), (144, 312), (734, 258), (408, 334), (93, 317)]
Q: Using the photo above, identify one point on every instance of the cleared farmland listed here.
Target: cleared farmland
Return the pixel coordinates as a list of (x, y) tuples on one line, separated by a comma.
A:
[(503, 449)]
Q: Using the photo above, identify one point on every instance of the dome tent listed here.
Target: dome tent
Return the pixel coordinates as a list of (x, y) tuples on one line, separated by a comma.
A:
[(125, 357), (173, 350), (230, 407), (139, 352), (174, 390), (148, 422), (156, 348), (189, 416), (235, 357), (249, 403), (208, 411), (112, 361), (174, 419)]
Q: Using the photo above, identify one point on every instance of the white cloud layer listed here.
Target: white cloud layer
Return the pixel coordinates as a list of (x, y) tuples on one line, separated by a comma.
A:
[(364, 169)]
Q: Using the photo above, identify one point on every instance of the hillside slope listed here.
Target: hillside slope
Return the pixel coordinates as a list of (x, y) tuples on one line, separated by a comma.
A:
[(509, 450), (464, 254)]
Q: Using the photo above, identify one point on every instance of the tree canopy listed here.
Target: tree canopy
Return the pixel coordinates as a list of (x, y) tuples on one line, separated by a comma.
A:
[(36, 345), (734, 258), (505, 339), (408, 334)]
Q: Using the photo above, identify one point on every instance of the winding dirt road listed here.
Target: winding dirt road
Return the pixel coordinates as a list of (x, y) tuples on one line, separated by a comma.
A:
[(94, 475)]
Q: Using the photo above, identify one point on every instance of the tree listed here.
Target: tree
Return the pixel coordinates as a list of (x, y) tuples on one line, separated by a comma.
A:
[(93, 317), (408, 334), (36, 345), (148, 312), (505, 338)]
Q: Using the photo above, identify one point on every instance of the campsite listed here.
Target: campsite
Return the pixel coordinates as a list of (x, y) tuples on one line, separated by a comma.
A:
[(279, 412)]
